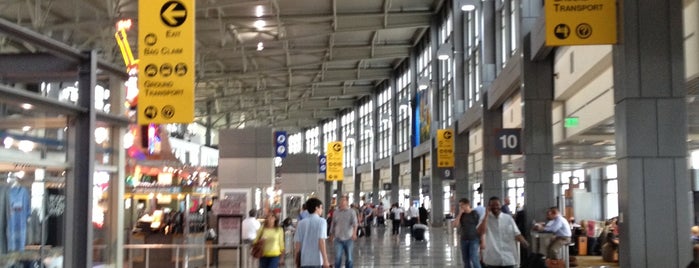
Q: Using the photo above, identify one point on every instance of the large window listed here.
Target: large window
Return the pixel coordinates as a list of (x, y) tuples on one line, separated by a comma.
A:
[(312, 141), (350, 139), (366, 143), (515, 191), (295, 143), (403, 110), (611, 192), (329, 133), (509, 29), (472, 68), (385, 122), (446, 76)]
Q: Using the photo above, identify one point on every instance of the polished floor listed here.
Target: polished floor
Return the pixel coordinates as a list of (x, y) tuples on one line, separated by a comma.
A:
[(439, 249)]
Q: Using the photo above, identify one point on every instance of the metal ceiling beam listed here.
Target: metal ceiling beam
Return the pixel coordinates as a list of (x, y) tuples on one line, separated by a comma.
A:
[(317, 91)]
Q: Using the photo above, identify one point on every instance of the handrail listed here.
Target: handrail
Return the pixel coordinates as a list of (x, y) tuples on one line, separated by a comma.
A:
[(178, 247)]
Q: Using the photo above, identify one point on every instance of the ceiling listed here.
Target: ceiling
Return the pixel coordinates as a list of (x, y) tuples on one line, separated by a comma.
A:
[(319, 58)]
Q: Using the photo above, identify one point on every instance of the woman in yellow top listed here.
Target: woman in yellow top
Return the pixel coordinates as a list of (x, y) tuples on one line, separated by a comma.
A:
[(273, 237)]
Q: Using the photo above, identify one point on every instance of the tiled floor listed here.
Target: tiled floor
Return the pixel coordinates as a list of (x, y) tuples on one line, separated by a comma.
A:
[(439, 249)]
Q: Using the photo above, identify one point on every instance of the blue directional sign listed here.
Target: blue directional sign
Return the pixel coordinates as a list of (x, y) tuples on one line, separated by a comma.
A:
[(281, 144), (322, 164)]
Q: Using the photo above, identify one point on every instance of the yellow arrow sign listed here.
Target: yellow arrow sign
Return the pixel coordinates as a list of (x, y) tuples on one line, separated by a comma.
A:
[(171, 16), (166, 64)]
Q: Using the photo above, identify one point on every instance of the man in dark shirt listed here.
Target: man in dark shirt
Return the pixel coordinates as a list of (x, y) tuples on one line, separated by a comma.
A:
[(423, 214), (467, 221)]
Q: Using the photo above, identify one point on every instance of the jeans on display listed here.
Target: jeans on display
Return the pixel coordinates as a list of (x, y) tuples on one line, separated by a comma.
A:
[(469, 253), (269, 262), (343, 247)]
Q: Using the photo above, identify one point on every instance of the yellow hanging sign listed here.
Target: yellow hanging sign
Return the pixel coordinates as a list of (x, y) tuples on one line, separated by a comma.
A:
[(334, 156), (445, 148), (166, 61), (580, 22)]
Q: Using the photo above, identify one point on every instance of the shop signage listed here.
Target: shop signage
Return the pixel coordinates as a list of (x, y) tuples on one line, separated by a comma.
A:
[(445, 148), (280, 143), (508, 141), (322, 164), (335, 170), (386, 186), (580, 22), (166, 61)]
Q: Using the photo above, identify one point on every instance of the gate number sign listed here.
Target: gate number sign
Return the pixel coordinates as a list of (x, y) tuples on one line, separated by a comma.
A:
[(508, 141)]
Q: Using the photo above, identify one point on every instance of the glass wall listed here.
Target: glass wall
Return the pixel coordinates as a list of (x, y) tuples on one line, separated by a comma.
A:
[(329, 133), (350, 139), (366, 142), (611, 192), (312, 141), (446, 74), (385, 123), (472, 64), (295, 143), (403, 110)]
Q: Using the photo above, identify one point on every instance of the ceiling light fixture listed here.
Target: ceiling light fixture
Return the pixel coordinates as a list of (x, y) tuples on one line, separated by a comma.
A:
[(444, 51), (259, 11), (26, 106), (468, 5), (259, 24), (260, 46), (423, 83)]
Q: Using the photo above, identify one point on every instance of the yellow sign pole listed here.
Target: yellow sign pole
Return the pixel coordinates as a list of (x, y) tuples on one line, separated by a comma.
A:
[(334, 156), (445, 148), (166, 61)]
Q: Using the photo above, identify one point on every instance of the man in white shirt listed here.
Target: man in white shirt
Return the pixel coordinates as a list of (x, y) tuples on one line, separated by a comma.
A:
[(250, 227), (413, 216), (501, 233)]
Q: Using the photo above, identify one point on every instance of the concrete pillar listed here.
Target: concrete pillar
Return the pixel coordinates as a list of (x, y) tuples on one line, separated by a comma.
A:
[(492, 162), (375, 179), (395, 183), (416, 168), (436, 192), (458, 43), (650, 116), (489, 47), (463, 183), (537, 134), (357, 186)]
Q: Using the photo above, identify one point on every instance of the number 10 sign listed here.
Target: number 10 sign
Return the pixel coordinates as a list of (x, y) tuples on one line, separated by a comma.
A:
[(508, 141)]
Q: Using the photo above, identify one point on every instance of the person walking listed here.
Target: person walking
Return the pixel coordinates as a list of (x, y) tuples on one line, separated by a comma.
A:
[(467, 221), (343, 233), (397, 217), (250, 228), (309, 239), (501, 233), (272, 237)]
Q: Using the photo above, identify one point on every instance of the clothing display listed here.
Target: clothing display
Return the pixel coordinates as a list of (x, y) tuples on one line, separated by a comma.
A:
[(15, 209)]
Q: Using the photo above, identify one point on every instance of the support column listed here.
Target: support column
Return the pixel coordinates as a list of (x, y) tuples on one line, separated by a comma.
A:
[(463, 183), (458, 79), (395, 183), (375, 179), (650, 116), (489, 46), (207, 134), (537, 134), (436, 191), (492, 162), (357, 186), (81, 152), (415, 177)]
